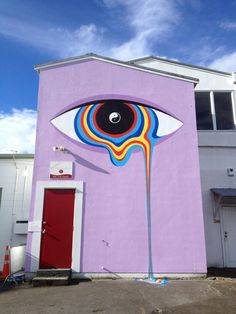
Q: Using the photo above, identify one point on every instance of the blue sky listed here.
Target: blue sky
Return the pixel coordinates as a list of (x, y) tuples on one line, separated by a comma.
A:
[(31, 32)]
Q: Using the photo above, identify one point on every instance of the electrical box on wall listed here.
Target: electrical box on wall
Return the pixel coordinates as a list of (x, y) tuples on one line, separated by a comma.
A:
[(230, 172), (21, 227)]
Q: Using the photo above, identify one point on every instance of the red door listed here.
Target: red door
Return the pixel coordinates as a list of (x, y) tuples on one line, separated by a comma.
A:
[(57, 228)]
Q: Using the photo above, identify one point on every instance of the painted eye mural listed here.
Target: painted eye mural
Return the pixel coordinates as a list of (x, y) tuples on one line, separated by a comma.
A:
[(120, 126)]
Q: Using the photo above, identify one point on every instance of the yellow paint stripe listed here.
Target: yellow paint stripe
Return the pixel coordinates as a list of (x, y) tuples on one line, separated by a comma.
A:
[(126, 144)]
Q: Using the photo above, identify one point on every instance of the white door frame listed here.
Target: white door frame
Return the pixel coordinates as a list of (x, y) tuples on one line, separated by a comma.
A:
[(222, 235), (224, 251), (38, 216)]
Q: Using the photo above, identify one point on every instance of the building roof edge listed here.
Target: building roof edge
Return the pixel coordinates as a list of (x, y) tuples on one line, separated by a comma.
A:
[(92, 56), (16, 156), (133, 61)]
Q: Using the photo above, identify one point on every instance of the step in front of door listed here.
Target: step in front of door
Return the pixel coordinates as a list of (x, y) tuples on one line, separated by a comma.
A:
[(52, 277), (59, 272)]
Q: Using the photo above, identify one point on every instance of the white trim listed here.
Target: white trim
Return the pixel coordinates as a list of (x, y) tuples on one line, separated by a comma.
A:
[(132, 276), (38, 214), (116, 62), (137, 275), (233, 106), (225, 251), (184, 65), (222, 236), (77, 227), (213, 112)]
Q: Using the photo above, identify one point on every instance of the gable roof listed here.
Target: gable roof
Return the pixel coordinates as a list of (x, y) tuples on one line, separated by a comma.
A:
[(128, 64), (178, 63)]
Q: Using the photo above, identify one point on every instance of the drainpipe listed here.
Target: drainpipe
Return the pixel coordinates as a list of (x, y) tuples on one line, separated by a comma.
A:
[(14, 198)]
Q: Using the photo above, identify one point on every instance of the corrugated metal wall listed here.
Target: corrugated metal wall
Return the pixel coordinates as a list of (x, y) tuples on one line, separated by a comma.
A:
[(15, 185)]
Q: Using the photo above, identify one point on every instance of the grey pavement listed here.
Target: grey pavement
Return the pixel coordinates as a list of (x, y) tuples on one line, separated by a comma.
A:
[(123, 296)]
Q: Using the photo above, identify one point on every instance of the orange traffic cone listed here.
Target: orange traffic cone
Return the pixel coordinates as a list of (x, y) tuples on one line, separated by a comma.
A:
[(6, 267)]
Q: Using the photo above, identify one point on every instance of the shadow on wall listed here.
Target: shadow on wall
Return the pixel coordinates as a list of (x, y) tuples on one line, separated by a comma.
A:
[(31, 262), (87, 163)]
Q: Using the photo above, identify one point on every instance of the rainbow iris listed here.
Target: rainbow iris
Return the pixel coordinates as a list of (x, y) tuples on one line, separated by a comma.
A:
[(141, 134)]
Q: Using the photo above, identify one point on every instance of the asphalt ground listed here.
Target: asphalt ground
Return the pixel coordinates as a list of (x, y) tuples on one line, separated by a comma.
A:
[(123, 296)]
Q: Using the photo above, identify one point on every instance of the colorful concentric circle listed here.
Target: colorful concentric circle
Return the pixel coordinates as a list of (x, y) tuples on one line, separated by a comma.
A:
[(118, 126)]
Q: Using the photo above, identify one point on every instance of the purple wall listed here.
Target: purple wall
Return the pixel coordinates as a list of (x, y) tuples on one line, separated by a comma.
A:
[(114, 204)]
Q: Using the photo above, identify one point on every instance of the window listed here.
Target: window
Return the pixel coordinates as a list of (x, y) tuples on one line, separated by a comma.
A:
[(203, 111), (224, 111), (214, 111)]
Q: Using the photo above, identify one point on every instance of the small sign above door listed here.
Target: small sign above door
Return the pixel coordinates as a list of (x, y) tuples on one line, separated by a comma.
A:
[(61, 169)]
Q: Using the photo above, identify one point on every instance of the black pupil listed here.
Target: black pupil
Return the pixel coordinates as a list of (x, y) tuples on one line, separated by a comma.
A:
[(114, 117)]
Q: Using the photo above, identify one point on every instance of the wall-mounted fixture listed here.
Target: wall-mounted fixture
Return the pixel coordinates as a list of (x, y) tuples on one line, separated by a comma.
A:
[(59, 149), (230, 172), (21, 227)]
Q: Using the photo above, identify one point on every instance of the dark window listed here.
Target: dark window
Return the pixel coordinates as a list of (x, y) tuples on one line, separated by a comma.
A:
[(203, 111), (224, 111)]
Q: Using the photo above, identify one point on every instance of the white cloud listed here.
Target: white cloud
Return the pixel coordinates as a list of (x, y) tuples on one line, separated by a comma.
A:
[(150, 21), (207, 53), (147, 21), (225, 63), (59, 41), (228, 25), (111, 3), (17, 130), (134, 48), (148, 16)]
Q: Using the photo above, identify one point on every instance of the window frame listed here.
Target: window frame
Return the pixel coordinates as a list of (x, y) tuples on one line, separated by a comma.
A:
[(1, 189), (212, 106)]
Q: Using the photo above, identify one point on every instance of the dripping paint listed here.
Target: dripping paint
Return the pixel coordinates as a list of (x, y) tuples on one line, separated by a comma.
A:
[(121, 126)]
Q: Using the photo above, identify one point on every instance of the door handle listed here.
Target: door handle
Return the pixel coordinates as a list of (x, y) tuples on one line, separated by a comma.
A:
[(43, 231), (226, 235)]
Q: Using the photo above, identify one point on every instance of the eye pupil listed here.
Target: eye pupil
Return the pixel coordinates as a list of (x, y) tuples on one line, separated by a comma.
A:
[(114, 117)]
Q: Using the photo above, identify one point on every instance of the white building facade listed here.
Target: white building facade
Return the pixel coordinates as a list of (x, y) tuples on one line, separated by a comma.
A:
[(215, 97), (15, 193)]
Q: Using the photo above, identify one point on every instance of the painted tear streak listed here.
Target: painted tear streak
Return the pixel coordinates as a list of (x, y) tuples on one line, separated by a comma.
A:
[(120, 127)]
